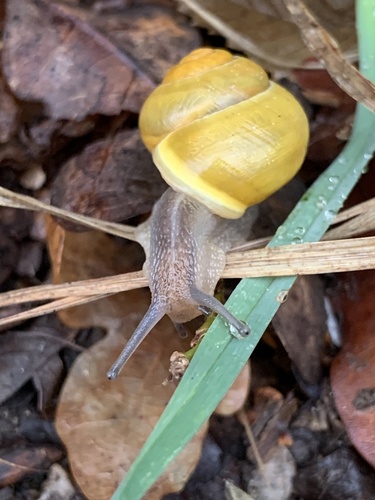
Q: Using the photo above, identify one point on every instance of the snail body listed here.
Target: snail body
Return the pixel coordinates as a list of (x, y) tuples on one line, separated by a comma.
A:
[(224, 138)]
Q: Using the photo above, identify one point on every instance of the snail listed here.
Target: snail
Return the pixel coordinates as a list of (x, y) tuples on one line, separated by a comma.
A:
[(224, 137)]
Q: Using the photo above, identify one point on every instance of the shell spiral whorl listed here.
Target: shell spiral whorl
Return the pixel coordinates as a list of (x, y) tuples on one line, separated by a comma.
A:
[(221, 132)]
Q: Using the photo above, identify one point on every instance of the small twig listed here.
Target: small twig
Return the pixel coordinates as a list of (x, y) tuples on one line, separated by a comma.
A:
[(56, 305), (241, 415), (326, 49), (90, 287), (15, 200)]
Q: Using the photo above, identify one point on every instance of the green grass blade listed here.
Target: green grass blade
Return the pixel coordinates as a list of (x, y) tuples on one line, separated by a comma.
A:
[(220, 356)]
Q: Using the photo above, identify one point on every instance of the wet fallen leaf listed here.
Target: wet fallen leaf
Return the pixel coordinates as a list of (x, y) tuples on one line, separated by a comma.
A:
[(353, 370)]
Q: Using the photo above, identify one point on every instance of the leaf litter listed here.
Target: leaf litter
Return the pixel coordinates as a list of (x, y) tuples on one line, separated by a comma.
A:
[(43, 117)]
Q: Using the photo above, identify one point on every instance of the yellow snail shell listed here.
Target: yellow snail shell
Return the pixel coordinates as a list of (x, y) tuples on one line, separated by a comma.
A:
[(221, 132)]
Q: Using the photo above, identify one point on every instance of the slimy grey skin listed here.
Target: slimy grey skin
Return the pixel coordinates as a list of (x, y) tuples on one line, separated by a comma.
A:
[(185, 247)]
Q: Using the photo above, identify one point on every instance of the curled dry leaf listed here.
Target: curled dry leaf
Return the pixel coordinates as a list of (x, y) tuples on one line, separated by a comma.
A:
[(112, 179), (353, 370), (104, 423)]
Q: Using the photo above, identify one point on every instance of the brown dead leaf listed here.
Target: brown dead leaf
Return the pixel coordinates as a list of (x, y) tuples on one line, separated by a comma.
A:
[(262, 29), (332, 121), (270, 418), (104, 423), (300, 324), (112, 179), (18, 463), (51, 54), (353, 370), (319, 88), (236, 396), (156, 37), (53, 51), (30, 355)]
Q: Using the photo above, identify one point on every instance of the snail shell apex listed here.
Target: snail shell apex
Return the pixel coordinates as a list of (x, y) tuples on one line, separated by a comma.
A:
[(221, 132)]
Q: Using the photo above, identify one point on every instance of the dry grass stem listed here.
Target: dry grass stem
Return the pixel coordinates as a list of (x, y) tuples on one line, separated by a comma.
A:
[(307, 258), (10, 199), (56, 305), (354, 221), (310, 258), (325, 48), (93, 287)]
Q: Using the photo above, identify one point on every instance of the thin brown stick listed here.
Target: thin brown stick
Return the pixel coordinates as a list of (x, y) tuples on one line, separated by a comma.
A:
[(56, 305), (15, 200), (325, 48), (90, 287)]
